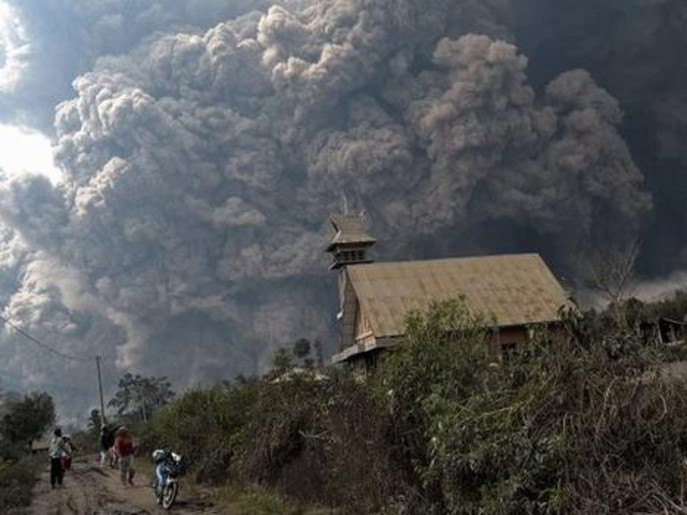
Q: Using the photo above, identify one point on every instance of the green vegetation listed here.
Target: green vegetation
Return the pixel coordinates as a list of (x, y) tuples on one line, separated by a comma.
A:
[(258, 501), (205, 425), (24, 419), (580, 421), (17, 479), (138, 398)]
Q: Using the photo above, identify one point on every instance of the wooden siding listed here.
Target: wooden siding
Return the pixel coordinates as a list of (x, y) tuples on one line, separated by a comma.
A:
[(348, 312)]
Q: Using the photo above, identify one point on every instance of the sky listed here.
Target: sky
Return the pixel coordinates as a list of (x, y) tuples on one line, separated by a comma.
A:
[(15, 47), (27, 151), (168, 168), (24, 150)]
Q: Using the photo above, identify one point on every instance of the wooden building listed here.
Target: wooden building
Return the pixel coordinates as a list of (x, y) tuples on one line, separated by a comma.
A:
[(517, 291)]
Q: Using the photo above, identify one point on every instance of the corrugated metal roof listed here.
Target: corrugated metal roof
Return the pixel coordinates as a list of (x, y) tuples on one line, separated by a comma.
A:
[(516, 289)]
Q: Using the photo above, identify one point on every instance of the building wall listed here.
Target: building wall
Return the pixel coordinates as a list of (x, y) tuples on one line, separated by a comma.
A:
[(503, 341), (507, 338), (364, 337), (348, 303)]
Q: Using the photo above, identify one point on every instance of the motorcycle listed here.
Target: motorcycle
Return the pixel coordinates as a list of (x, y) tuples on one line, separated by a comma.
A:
[(175, 467)]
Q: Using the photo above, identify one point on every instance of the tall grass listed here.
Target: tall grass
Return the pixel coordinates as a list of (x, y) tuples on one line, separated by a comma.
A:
[(581, 421)]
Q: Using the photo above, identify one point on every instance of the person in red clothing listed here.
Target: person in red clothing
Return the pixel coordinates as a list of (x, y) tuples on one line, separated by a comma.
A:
[(67, 455), (124, 447)]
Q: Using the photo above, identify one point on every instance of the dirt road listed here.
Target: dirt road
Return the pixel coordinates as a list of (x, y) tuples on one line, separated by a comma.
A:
[(89, 489)]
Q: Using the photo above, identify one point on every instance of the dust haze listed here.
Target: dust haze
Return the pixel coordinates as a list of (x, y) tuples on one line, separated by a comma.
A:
[(204, 143)]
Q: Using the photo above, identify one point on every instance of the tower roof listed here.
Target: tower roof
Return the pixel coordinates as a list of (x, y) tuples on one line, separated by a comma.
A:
[(350, 230)]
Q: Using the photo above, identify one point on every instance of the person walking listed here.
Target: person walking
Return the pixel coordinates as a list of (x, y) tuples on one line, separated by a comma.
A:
[(124, 447), (107, 438), (57, 450), (67, 455)]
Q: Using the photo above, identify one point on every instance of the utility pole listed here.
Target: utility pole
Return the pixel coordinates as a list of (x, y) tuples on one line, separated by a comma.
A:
[(100, 389)]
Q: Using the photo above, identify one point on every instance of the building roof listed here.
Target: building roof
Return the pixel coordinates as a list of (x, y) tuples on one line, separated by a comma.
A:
[(42, 444), (515, 289), (350, 228)]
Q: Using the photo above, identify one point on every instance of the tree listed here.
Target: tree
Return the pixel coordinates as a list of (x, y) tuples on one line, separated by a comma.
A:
[(301, 348), (6, 399), (140, 397), (95, 421), (282, 361), (301, 354), (612, 271), (27, 419)]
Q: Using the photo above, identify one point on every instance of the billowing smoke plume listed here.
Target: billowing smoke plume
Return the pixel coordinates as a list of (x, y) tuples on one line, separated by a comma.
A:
[(205, 143), (635, 49), (55, 40)]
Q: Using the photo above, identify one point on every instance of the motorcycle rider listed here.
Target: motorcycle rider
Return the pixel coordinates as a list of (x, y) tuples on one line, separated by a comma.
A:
[(160, 458)]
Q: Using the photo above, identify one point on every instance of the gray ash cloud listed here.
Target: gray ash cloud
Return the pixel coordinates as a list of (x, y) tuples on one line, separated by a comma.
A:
[(205, 143)]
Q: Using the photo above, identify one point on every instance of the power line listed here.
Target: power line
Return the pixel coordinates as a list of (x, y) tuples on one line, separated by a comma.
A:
[(19, 379), (62, 355), (44, 346)]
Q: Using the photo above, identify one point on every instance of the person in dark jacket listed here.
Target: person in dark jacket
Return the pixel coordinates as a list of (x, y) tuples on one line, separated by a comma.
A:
[(107, 438)]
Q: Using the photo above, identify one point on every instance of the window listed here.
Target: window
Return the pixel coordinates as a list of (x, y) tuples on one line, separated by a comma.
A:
[(351, 256)]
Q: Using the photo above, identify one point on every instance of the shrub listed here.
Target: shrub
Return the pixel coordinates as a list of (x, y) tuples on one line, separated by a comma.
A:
[(321, 441), (583, 420), (580, 423), (258, 501), (276, 441), (205, 425), (17, 479), (446, 349)]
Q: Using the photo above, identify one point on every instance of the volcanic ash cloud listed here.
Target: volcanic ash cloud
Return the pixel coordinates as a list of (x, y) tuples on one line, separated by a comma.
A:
[(201, 166)]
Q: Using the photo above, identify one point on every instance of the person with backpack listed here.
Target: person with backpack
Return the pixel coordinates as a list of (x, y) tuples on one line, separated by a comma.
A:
[(125, 450), (57, 450)]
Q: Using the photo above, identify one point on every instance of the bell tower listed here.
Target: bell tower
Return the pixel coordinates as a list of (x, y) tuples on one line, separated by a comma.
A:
[(348, 247), (351, 241)]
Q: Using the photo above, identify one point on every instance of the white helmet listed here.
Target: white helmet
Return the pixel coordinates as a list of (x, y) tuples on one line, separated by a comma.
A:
[(158, 455)]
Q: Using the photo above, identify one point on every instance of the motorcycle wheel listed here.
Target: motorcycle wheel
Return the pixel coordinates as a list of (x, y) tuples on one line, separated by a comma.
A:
[(170, 494)]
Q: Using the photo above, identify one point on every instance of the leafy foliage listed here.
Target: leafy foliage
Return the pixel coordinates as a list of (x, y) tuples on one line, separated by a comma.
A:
[(138, 397), (445, 350), (584, 419), (205, 425), (17, 479), (580, 421), (95, 421), (321, 440), (302, 355), (24, 419), (27, 419)]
